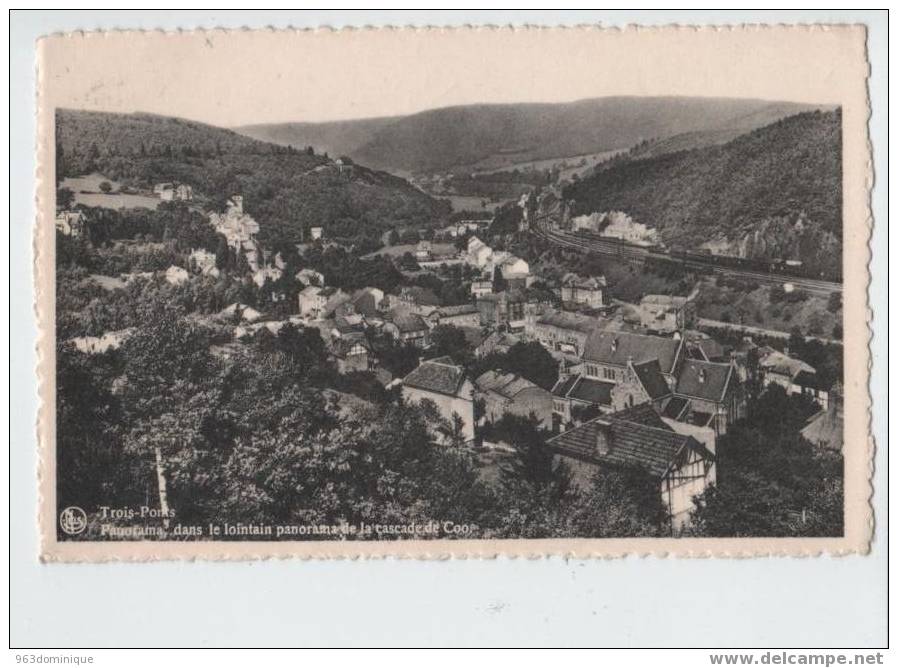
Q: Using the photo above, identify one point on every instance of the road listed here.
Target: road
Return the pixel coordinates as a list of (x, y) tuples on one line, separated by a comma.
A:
[(618, 249)]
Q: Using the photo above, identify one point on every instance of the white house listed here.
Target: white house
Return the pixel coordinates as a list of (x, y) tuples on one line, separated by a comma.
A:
[(446, 385), (176, 275), (310, 277), (71, 223)]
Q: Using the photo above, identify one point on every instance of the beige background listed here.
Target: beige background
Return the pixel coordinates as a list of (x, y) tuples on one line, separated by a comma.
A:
[(230, 78), (238, 78)]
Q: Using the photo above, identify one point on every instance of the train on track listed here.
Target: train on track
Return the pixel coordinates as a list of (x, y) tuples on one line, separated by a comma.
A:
[(660, 254)]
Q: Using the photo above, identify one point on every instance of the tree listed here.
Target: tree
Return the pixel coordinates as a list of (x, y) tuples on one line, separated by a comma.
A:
[(64, 198), (499, 283), (450, 340), (532, 361), (454, 430), (770, 480), (619, 503), (223, 257), (834, 303), (105, 187), (533, 464)]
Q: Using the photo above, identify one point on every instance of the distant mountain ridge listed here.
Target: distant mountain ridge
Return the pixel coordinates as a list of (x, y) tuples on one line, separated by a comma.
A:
[(774, 192), (490, 135)]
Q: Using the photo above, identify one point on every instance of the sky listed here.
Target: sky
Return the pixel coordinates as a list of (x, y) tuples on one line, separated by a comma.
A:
[(247, 77)]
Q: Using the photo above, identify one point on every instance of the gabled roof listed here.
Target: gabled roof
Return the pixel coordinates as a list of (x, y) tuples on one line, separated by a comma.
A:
[(408, 322), (572, 321), (704, 380), (644, 414), (508, 385), (676, 407), (584, 389), (462, 309), (631, 443), (709, 349), (588, 282), (777, 362), (438, 375), (650, 377), (617, 348), (365, 303)]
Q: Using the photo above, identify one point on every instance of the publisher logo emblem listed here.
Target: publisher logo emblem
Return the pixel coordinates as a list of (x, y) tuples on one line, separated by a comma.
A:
[(73, 520)]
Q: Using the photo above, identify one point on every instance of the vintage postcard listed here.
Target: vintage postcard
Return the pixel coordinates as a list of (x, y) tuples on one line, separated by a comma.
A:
[(454, 293)]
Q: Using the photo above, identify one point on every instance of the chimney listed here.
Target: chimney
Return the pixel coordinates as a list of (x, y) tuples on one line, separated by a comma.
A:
[(614, 344), (701, 375), (603, 436)]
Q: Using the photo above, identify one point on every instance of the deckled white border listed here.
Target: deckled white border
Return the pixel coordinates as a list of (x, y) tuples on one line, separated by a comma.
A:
[(858, 532)]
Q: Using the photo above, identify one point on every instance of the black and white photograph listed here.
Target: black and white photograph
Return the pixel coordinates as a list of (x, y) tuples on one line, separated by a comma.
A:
[(354, 314)]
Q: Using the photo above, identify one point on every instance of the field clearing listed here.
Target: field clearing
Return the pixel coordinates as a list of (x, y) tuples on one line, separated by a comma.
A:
[(470, 203), (87, 193)]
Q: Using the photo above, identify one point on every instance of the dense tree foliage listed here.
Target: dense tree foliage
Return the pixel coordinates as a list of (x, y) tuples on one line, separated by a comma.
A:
[(770, 480), (781, 185), (528, 359), (286, 190)]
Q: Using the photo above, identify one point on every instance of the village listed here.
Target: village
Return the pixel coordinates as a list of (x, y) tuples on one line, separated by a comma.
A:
[(631, 384)]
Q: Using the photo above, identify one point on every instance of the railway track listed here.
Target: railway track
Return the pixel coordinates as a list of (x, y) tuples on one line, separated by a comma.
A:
[(635, 253)]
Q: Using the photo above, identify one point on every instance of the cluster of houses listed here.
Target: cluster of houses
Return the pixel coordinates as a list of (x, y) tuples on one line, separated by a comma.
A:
[(616, 225), (657, 397), (239, 229), (513, 270), (647, 391)]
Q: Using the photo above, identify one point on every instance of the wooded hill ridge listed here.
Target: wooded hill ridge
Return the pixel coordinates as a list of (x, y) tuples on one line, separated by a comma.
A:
[(490, 135), (285, 189), (775, 192)]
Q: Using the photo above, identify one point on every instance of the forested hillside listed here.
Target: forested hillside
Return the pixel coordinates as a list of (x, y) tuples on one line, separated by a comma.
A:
[(285, 189), (496, 135), (775, 192)]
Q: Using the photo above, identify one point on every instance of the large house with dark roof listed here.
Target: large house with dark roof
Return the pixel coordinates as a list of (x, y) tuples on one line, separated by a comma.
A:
[(708, 394), (583, 290), (640, 382), (350, 354), (636, 438), (407, 327), (463, 315), (606, 354), (560, 331), (446, 385)]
